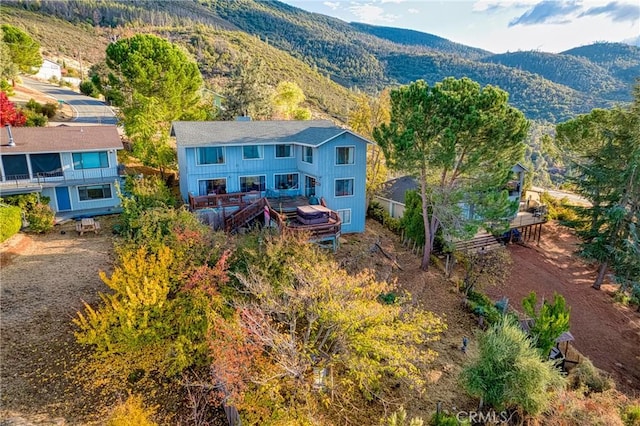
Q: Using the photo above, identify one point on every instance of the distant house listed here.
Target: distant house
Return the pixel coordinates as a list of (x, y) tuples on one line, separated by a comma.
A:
[(313, 159), (392, 195), (76, 167), (49, 69)]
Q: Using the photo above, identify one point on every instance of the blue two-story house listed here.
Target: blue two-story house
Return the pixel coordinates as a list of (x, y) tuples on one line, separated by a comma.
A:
[(75, 166), (314, 159)]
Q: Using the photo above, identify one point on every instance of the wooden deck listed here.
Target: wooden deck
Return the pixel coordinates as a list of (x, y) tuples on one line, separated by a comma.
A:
[(240, 209)]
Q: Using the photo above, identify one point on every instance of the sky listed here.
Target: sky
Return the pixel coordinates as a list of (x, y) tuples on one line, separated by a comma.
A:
[(497, 25)]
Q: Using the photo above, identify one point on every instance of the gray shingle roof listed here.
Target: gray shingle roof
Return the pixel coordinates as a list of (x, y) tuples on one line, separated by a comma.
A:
[(395, 189), (199, 133), (59, 139)]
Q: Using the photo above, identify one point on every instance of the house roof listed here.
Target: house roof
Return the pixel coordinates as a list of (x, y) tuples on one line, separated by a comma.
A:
[(204, 133), (59, 139), (395, 189)]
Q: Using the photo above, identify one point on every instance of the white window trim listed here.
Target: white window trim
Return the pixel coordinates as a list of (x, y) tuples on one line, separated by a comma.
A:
[(344, 178), (303, 155), (350, 215), (260, 151), (291, 151), (73, 163), (285, 174), (246, 176), (345, 164), (97, 199), (215, 178), (224, 157)]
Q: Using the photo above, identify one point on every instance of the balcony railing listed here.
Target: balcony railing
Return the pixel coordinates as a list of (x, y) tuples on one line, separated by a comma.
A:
[(45, 178)]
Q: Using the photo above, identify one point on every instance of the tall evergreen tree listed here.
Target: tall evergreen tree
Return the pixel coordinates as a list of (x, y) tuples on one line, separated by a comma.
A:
[(24, 51), (156, 83), (460, 141), (605, 148)]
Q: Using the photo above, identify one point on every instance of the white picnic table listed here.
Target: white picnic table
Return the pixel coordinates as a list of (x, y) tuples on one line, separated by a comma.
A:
[(87, 225)]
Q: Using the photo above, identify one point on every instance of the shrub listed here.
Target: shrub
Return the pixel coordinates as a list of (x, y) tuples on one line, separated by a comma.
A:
[(40, 218), (88, 88), (49, 109), (34, 119), (131, 413), (589, 378), (631, 415), (551, 320), (378, 213), (10, 221), (509, 373)]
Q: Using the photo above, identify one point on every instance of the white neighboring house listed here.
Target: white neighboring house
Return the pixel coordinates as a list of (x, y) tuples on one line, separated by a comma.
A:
[(48, 70)]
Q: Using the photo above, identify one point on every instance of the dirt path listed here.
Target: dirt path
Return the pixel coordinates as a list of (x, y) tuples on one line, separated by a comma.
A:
[(605, 332), (43, 281)]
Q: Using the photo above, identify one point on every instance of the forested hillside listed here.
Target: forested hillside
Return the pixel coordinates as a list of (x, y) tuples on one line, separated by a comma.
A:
[(217, 50), (575, 72), (547, 87)]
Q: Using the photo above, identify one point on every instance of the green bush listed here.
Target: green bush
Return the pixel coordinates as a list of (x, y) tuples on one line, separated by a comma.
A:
[(631, 415), (509, 373), (549, 321), (10, 221), (40, 218), (379, 214), (34, 119), (49, 109), (88, 88), (586, 376)]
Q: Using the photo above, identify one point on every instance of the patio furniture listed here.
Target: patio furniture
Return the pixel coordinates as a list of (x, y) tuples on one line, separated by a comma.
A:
[(87, 225)]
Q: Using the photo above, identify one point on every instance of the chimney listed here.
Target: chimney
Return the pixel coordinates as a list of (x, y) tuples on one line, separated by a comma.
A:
[(11, 141)]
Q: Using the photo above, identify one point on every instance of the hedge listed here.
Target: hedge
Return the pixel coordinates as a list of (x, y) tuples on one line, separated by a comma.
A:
[(10, 221)]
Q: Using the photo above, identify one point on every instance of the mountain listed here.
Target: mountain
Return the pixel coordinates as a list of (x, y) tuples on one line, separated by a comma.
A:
[(574, 71), (622, 60), (310, 46), (417, 38)]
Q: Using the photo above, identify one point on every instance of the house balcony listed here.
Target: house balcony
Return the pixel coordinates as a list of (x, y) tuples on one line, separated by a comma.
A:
[(234, 210), (22, 184)]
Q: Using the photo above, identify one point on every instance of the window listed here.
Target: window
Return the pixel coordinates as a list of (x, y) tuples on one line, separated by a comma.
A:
[(211, 155), (345, 154), (307, 154), (288, 181), (15, 167), (46, 165), (251, 152), (90, 160), (309, 186), (94, 192), (284, 151), (212, 186), (252, 183), (344, 187), (345, 216)]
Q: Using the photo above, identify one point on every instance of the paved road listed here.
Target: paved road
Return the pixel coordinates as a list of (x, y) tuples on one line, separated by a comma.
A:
[(573, 198), (85, 109)]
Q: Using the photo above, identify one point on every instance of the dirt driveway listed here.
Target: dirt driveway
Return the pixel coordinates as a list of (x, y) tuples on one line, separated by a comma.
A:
[(604, 331), (44, 280)]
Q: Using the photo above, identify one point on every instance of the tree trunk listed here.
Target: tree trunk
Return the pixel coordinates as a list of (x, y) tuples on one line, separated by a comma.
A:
[(601, 272), (427, 226)]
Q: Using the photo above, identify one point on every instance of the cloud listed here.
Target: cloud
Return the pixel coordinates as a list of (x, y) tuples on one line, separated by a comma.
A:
[(392, 1), (413, 11), (490, 6), (371, 14), (332, 5), (618, 12), (547, 12)]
